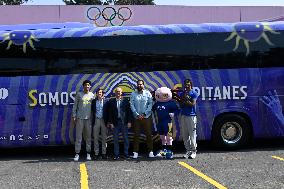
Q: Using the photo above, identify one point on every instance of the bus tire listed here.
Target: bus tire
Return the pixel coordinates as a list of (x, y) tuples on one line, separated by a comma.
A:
[(231, 131)]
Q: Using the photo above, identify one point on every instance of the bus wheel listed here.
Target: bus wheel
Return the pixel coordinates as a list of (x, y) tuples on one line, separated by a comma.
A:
[(231, 131)]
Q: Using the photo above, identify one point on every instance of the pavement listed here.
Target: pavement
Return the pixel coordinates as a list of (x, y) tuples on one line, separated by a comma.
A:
[(260, 165)]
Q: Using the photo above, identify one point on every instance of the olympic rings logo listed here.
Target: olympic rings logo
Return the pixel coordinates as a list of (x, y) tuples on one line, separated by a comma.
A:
[(109, 15)]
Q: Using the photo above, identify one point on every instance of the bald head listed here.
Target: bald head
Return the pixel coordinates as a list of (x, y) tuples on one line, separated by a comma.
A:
[(118, 92)]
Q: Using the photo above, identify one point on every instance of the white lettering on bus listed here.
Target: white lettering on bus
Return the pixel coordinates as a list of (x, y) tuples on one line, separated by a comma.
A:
[(4, 93), (64, 98), (42, 99), (235, 92), (226, 92), (72, 96), (209, 92), (49, 98), (53, 98), (242, 89), (222, 93)]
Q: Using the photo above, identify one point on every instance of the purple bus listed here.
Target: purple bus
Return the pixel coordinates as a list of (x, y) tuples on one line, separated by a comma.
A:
[(236, 68)]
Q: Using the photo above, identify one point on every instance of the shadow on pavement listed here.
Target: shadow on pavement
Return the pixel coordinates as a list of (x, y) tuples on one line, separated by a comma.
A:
[(66, 153)]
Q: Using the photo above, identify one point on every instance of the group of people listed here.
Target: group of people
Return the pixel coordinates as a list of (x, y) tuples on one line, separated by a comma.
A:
[(95, 114)]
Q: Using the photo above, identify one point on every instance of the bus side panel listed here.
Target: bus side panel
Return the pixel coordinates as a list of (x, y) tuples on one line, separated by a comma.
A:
[(230, 91), (12, 111), (256, 92), (50, 104), (45, 102), (36, 111), (271, 101)]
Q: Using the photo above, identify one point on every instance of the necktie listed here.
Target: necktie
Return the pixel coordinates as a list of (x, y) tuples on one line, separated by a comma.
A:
[(118, 108)]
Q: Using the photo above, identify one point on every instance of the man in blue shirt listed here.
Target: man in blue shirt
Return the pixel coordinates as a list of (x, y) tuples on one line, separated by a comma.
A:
[(188, 119), (141, 106)]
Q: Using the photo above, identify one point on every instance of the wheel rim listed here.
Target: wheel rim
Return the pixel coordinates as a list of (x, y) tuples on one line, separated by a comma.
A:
[(231, 132)]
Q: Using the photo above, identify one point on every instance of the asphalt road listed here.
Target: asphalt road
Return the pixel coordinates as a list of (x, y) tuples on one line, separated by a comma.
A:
[(53, 167)]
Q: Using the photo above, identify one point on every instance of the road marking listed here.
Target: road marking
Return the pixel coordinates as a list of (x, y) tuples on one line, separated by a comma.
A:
[(84, 176), (198, 173), (279, 158)]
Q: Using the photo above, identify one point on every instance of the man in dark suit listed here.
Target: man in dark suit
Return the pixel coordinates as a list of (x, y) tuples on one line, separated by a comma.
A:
[(99, 108), (119, 118)]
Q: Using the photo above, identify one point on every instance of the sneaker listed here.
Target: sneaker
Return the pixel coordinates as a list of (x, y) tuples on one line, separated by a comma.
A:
[(187, 155), (89, 157), (151, 155), (161, 153), (135, 155), (169, 154), (193, 155), (116, 158), (76, 158)]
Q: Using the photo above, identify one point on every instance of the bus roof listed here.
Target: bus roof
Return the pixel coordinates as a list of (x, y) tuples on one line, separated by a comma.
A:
[(64, 30)]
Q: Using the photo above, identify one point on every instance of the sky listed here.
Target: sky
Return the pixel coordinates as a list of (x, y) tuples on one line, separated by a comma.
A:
[(188, 2)]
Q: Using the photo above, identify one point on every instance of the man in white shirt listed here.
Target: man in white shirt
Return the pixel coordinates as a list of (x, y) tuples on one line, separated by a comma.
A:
[(82, 118)]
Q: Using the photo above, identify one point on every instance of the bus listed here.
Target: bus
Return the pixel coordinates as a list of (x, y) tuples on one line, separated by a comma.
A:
[(237, 70)]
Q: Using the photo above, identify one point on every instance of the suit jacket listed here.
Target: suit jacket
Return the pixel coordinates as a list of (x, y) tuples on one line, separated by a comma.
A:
[(94, 110), (112, 112)]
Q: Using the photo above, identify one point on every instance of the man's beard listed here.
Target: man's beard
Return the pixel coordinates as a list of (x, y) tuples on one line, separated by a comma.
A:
[(139, 88)]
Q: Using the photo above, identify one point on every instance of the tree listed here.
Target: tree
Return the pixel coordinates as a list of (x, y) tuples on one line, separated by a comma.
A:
[(12, 2), (83, 2), (134, 2)]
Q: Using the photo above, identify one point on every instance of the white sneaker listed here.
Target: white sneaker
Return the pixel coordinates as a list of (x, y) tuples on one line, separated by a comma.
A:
[(135, 155), (193, 155), (160, 154), (89, 157), (187, 155), (76, 158), (151, 155)]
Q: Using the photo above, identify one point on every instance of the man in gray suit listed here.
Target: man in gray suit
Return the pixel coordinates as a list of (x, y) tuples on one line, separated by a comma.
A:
[(99, 123)]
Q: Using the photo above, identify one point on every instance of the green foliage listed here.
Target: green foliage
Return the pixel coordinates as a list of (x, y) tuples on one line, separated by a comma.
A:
[(109, 2), (87, 2), (12, 2), (134, 2)]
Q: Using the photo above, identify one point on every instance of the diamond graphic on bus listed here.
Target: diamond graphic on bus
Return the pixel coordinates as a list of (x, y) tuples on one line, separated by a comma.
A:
[(125, 82), (250, 32)]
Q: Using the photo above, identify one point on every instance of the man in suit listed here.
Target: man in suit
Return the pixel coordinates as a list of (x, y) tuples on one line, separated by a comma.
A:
[(119, 118), (99, 123)]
